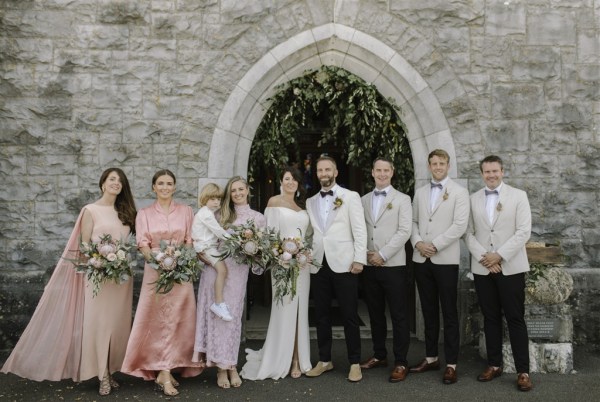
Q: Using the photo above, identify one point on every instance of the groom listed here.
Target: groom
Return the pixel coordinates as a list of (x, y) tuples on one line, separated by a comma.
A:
[(340, 245)]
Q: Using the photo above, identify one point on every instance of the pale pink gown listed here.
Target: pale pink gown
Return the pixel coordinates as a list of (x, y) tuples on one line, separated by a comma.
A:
[(50, 348), (219, 339), (162, 337), (107, 316)]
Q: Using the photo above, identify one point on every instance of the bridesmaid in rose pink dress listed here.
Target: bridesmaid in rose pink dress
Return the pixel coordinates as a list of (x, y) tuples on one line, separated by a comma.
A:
[(218, 341), (163, 329), (73, 334)]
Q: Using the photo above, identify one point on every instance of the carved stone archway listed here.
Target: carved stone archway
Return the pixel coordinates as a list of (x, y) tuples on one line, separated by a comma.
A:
[(337, 45)]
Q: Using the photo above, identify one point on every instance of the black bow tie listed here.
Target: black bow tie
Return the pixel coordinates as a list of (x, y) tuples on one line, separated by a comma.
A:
[(438, 185), (324, 193), (488, 192), (377, 192)]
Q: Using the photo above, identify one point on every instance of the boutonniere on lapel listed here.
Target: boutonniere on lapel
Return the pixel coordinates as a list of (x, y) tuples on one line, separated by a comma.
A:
[(389, 206), (337, 203), (446, 195), (499, 207)]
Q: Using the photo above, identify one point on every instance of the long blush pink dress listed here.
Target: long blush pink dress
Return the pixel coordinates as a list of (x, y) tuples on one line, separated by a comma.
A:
[(107, 316), (219, 339), (61, 341), (162, 337)]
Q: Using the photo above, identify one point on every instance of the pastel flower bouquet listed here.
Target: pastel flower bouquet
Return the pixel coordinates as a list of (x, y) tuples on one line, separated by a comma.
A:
[(249, 245), (107, 260), (176, 264), (291, 255)]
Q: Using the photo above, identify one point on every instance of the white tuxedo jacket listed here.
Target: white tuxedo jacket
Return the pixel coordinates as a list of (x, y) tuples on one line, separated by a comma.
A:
[(444, 226), (389, 231), (343, 238), (507, 235)]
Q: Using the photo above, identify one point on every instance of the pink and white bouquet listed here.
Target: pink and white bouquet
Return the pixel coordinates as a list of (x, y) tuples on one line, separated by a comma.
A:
[(107, 260), (175, 264), (291, 255), (249, 245)]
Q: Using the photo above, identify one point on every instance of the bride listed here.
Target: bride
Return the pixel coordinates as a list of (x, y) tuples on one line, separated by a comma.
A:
[(287, 346)]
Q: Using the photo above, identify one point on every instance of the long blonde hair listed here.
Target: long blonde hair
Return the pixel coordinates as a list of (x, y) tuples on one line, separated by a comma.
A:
[(227, 211)]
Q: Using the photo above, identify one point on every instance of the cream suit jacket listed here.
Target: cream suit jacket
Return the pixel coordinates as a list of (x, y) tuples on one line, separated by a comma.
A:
[(444, 226), (389, 231), (507, 235), (343, 238)]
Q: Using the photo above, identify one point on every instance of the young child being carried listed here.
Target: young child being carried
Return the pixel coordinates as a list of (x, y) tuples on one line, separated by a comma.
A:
[(206, 232)]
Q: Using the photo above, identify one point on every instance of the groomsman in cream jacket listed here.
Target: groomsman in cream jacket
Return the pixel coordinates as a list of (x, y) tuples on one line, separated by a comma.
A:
[(499, 228), (440, 218), (388, 215)]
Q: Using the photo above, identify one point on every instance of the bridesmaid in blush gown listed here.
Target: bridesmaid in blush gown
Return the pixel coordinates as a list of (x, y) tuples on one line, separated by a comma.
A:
[(63, 339), (287, 346), (218, 341), (163, 329)]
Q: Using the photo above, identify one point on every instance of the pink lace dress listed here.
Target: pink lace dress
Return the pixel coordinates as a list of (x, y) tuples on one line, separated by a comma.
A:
[(218, 339), (163, 328)]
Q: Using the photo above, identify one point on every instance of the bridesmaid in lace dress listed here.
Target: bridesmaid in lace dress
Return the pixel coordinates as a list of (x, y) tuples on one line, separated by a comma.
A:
[(218, 341), (287, 346), (64, 340), (163, 329)]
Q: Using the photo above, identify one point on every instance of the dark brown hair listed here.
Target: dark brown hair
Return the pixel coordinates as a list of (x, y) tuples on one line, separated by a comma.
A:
[(163, 172), (300, 196), (124, 204), (490, 159)]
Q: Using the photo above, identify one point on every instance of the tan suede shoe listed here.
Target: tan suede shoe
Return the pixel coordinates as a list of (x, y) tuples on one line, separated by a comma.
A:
[(319, 369), (355, 374)]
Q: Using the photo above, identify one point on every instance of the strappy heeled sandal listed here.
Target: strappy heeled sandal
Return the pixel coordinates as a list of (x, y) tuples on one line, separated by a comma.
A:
[(113, 383), (295, 371), (104, 386), (166, 387)]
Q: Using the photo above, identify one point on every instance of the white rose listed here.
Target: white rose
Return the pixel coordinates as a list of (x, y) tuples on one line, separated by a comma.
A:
[(286, 256), (111, 257), (121, 254)]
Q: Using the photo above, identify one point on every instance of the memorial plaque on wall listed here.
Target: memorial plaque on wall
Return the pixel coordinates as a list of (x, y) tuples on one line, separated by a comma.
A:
[(543, 328)]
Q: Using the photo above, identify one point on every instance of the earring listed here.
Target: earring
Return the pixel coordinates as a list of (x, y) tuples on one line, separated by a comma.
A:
[(297, 193)]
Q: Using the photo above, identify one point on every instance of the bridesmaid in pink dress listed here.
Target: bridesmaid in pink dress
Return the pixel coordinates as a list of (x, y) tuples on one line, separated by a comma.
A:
[(72, 333), (163, 329), (218, 341)]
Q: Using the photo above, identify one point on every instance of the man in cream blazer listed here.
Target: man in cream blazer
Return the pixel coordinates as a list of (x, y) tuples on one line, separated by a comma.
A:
[(440, 219), (388, 215), (339, 244), (499, 228)]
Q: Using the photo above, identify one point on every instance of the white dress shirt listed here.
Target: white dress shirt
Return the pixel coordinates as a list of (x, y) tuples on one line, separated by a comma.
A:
[(325, 205), (435, 193), (491, 202), (377, 201)]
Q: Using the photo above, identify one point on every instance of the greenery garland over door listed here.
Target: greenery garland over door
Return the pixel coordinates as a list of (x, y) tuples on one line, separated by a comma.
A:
[(358, 120)]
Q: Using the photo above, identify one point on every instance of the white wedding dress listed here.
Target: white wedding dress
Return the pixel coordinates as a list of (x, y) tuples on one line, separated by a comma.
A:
[(275, 358)]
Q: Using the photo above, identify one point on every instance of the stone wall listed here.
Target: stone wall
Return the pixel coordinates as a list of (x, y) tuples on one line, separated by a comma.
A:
[(89, 84)]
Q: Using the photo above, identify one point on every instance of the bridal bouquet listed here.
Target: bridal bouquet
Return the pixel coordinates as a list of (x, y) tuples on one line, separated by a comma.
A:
[(175, 264), (107, 260), (249, 245), (292, 255)]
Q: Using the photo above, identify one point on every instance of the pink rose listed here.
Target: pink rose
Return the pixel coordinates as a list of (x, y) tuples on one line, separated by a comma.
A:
[(106, 248)]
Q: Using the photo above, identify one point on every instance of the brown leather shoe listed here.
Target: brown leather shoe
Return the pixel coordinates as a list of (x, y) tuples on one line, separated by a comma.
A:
[(424, 366), (489, 374), (398, 374), (524, 382), (373, 363), (449, 376)]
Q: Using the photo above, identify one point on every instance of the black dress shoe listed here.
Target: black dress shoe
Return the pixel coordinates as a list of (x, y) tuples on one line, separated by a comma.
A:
[(373, 363), (424, 366)]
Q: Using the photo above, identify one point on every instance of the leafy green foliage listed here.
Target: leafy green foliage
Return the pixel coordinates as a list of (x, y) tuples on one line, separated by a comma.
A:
[(360, 121)]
